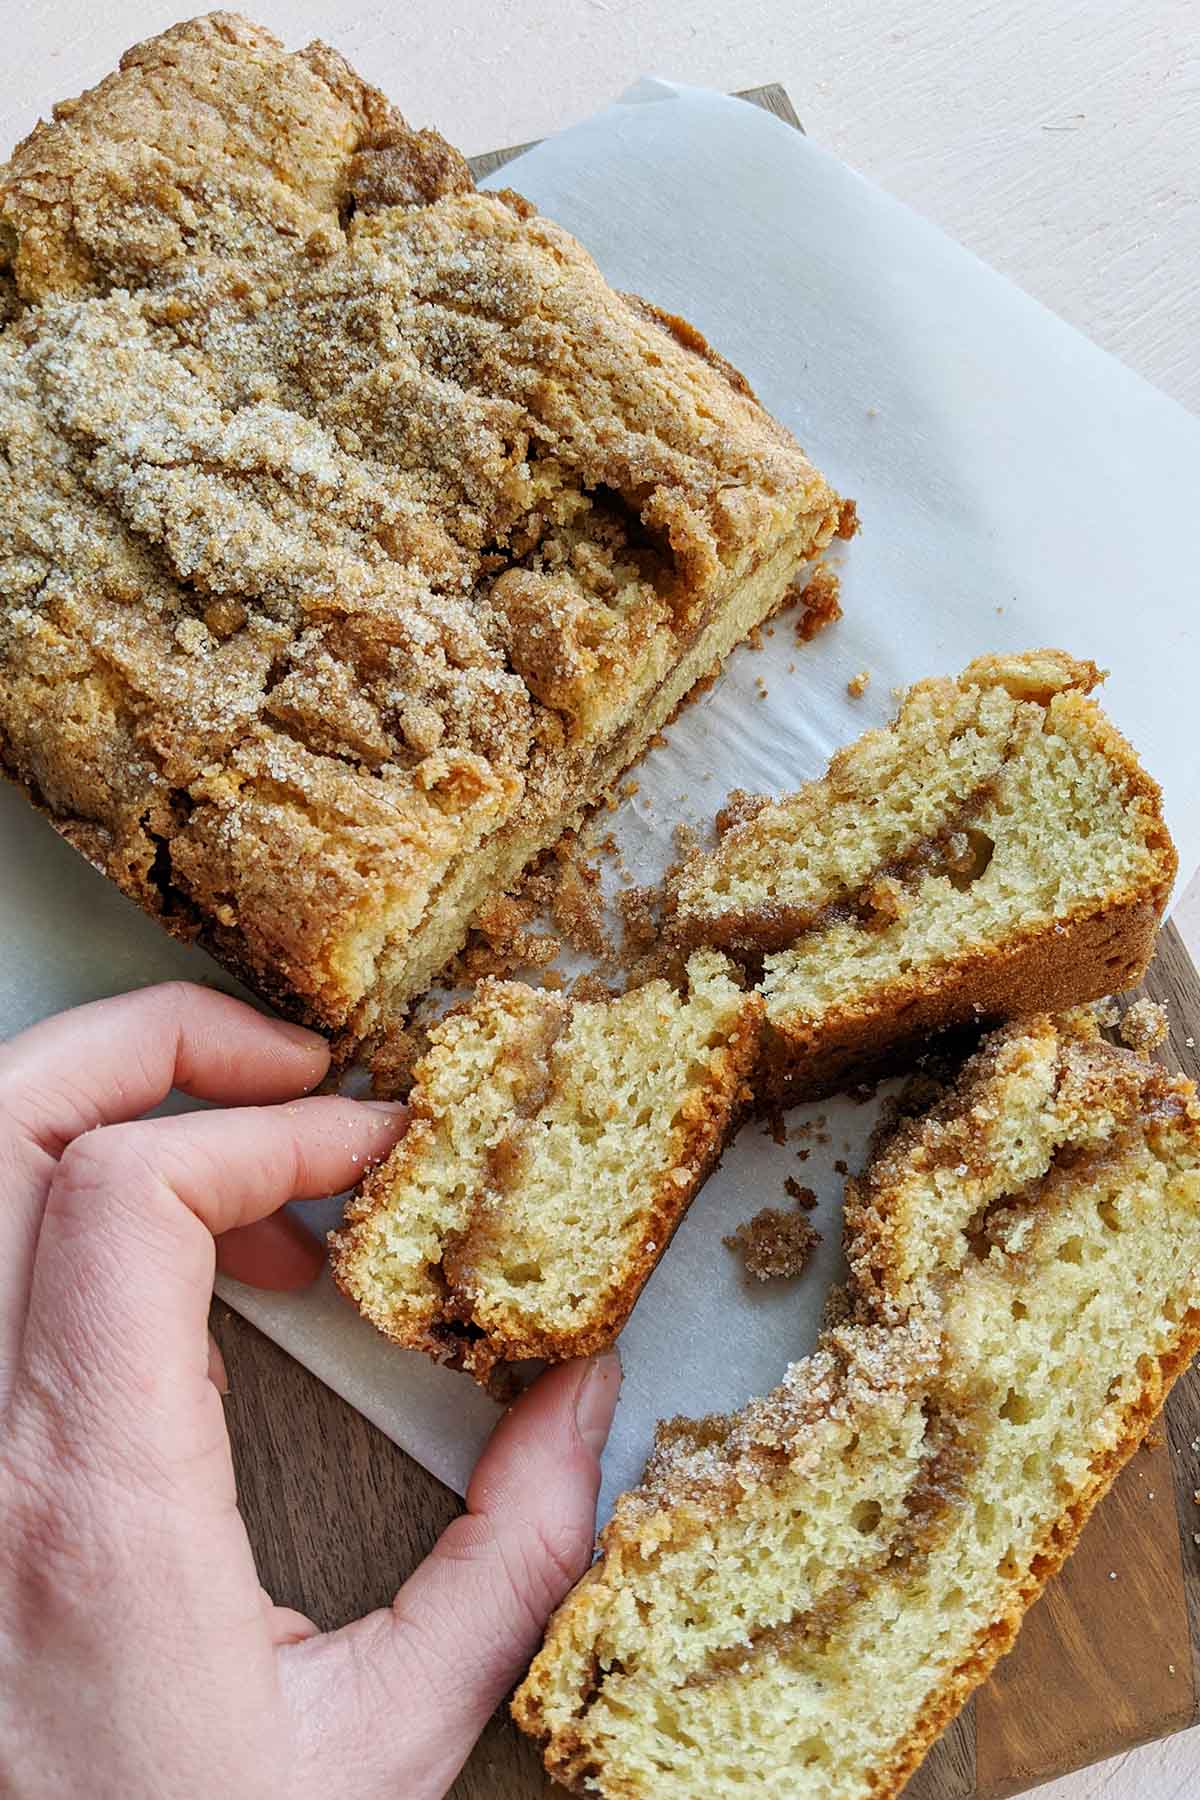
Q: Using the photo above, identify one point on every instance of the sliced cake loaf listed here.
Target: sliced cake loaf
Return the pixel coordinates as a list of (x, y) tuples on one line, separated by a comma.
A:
[(800, 1597), (554, 1147), (355, 535), (996, 850)]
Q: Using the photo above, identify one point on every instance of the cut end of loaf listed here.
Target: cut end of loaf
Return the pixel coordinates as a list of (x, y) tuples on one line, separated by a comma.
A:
[(800, 1596), (554, 1148), (996, 850)]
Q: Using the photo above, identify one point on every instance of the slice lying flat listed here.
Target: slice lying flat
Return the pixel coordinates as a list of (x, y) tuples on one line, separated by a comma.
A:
[(997, 850), (800, 1596), (554, 1148)]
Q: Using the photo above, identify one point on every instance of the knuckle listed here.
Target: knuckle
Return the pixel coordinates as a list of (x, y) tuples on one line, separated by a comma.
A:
[(85, 1162), (559, 1551), (108, 1158)]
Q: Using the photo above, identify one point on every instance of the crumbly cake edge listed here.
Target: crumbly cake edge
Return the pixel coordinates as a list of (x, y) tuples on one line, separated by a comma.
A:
[(726, 629), (708, 1117), (944, 1703), (947, 1701), (1093, 952)]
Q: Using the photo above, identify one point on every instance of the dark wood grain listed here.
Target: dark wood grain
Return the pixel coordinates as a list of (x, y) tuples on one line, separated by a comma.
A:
[(1105, 1659), (338, 1516)]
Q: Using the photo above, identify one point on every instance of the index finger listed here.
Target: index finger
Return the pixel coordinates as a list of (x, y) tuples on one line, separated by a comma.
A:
[(115, 1059), (115, 1337)]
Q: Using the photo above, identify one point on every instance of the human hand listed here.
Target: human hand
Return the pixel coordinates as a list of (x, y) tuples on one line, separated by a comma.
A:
[(138, 1654)]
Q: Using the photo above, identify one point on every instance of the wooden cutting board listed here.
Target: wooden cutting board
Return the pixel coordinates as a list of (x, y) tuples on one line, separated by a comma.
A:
[(1108, 1659)]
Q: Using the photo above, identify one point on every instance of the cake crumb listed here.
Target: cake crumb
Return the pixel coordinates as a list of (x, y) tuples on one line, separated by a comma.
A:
[(841, 1166), (637, 907), (820, 603), (393, 1060), (1107, 1012), (774, 1244), (811, 1131), (1144, 1027), (803, 1196), (575, 902), (775, 1126), (501, 942), (739, 808), (858, 684)]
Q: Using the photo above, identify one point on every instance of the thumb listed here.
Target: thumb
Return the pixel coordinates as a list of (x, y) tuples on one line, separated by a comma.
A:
[(394, 1702)]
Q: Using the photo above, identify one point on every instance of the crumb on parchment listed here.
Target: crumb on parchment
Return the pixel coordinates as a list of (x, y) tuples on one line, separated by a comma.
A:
[(820, 603), (775, 1244)]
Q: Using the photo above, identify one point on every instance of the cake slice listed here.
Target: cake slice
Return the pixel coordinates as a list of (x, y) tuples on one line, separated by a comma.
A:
[(354, 533), (800, 1597), (996, 850), (554, 1147)]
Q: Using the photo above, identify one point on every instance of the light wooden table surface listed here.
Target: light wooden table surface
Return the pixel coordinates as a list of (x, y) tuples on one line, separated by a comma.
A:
[(1059, 139)]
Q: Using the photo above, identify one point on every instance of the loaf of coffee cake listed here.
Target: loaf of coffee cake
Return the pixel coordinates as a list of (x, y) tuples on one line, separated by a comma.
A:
[(996, 850), (354, 534), (799, 1597), (554, 1147)]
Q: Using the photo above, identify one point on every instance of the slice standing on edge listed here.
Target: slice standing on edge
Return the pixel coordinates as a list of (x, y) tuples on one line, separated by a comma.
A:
[(996, 850), (555, 1146), (800, 1597)]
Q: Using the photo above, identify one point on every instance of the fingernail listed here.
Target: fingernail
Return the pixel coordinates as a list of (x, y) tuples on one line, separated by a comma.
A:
[(596, 1400), (396, 1108), (301, 1035)]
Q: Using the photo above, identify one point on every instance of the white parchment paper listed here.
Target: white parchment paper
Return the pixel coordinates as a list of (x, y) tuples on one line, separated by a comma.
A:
[(1017, 487)]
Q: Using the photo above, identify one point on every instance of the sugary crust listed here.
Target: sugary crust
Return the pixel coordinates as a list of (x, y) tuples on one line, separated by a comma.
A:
[(883, 1242), (706, 1120), (348, 520)]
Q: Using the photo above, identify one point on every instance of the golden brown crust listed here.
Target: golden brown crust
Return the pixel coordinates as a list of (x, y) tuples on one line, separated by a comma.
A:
[(206, 138), (1097, 949), (289, 407), (1099, 1104), (458, 1326), (949, 1700), (1062, 965)]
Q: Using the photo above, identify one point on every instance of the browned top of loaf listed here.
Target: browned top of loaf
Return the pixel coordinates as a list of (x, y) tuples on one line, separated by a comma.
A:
[(282, 400)]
